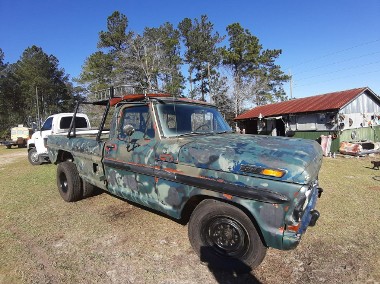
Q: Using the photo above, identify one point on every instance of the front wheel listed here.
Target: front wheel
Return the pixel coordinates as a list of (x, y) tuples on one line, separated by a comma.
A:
[(33, 157), (224, 237), (69, 182)]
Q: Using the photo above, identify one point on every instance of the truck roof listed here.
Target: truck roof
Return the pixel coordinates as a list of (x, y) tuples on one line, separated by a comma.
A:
[(142, 97), (66, 114)]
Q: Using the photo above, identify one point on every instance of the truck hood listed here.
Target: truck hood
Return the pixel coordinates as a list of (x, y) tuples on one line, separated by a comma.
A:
[(300, 159)]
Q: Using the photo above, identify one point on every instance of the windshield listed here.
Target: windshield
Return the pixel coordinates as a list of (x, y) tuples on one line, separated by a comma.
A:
[(186, 119), (47, 124)]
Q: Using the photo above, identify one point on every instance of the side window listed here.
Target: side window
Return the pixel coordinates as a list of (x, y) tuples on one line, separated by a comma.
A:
[(47, 124), (139, 117)]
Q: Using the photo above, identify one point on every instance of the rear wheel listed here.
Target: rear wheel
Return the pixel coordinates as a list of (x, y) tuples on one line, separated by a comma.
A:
[(224, 237), (69, 182), (90, 189), (33, 157)]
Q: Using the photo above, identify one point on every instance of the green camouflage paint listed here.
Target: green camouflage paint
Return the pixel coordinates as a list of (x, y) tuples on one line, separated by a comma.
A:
[(165, 173)]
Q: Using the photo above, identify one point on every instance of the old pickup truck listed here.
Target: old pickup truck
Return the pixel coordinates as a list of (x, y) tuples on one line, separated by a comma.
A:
[(239, 193)]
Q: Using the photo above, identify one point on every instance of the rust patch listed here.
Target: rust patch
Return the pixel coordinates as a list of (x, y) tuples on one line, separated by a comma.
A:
[(293, 228), (172, 171), (166, 158), (115, 101), (228, 196), (139, 165), (213, 179)]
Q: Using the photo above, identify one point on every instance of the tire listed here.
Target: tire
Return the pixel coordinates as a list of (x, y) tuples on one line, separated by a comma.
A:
[(224, 237), (33, 157), (90, 189), (9, 146), (69, 182)]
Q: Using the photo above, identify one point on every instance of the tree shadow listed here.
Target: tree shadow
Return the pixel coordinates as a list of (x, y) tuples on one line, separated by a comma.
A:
[(228, 271)]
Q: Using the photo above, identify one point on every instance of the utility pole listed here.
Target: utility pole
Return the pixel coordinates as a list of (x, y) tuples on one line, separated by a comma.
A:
[(38, 111), (191, 85), (209, 81), (291, 84)]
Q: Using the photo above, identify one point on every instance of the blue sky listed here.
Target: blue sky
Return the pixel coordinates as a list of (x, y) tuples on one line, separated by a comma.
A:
[(327, 45)]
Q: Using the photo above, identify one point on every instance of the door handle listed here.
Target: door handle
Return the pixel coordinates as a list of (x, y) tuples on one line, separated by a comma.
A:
[(110, 146)]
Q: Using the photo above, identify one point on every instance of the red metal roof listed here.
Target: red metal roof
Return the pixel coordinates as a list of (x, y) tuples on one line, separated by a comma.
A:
[(330, 101)]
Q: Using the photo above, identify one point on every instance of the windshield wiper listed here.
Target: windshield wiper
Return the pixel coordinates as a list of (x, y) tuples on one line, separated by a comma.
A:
[(203, 133), (195, 133), (221, 132), (184, 134)]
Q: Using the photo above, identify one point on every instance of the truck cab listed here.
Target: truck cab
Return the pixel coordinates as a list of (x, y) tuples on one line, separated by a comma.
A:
[(54, 124)]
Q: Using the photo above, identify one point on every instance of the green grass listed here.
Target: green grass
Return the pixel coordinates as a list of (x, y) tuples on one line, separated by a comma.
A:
[(22, 192), (44, 239)]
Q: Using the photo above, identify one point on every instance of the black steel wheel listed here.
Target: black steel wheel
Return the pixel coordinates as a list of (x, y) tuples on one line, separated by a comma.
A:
[(224, 237), (69, 182)]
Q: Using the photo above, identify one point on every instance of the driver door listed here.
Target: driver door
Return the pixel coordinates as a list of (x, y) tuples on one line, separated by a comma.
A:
[(129, 157)]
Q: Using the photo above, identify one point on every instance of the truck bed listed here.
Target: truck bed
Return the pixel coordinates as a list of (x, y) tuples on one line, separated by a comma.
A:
[(84, 150)]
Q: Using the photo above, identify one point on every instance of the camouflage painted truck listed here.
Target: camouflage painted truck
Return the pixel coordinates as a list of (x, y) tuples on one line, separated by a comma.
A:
[(240, 194)]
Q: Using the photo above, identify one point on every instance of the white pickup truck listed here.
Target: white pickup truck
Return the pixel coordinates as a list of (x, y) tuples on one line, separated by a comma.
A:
[(54, 124)]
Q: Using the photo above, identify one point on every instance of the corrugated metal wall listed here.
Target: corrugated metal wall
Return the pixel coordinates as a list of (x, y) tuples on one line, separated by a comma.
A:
[(313, 135), (365, 133), (312, 121), (362, 104)]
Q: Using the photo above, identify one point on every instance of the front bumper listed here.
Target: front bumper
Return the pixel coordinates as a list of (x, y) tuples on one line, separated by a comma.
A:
[(43, 157), (309, 212), (310, 217)]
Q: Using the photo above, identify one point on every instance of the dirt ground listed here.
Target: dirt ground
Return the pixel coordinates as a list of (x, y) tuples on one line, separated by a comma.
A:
[(107, 240), (10, 157)]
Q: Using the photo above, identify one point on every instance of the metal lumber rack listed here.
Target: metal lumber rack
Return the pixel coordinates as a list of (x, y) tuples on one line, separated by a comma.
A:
[(103, 97)]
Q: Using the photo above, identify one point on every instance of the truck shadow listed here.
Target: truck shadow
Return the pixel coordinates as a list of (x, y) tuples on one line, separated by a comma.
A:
[(232, 271), (222, 272)]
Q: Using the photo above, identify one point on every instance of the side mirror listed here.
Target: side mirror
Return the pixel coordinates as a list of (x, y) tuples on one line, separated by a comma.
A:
[(128, 130)]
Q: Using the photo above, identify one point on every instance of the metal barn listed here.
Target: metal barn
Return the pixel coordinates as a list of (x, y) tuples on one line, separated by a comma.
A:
[(351, 116)]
